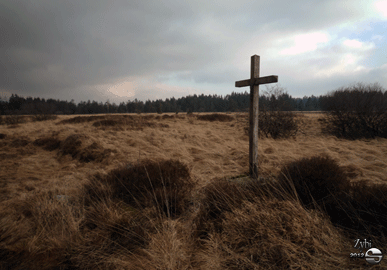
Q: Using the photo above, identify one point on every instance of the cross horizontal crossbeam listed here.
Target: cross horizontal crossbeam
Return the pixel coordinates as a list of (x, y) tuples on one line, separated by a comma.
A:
[(257, 81)]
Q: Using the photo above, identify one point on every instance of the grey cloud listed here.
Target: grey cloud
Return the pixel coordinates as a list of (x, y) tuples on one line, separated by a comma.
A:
[(55, 47)]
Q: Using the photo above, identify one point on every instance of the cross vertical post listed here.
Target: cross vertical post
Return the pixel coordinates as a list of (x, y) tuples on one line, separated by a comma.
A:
[(254, 110), (254, 83)]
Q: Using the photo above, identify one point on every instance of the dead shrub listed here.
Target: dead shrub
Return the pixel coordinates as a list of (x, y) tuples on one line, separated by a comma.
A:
[(277, 124), (354, 126), (215, 117), (355, 112), (165, 185), (48, 143)]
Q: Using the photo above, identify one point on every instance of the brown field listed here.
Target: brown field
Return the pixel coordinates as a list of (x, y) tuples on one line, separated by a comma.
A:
[(40, 160)]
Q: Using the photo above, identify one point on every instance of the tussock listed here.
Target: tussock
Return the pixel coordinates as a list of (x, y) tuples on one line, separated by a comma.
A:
[(80, 119), (164, 184), (215, 117), (48, 143), (314, 179), (19, 142), (75, 146)]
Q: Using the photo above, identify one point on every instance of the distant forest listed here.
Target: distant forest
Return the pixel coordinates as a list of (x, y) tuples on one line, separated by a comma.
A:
[(236, 102)]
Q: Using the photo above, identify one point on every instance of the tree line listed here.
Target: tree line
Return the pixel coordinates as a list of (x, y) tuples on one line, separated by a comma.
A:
[(274, 99), (193, 103)]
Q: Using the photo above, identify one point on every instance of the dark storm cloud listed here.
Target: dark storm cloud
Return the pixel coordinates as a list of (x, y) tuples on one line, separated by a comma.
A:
[(52, 47)]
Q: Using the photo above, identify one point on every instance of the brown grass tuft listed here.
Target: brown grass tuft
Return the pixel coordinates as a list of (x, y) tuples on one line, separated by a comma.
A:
[(164, 184), (272, 234), (314, 179), (19, 142), (74, 145), (363, 211), (80, 119), (319, 182), (215, 117), (48, 143), (166, 116)]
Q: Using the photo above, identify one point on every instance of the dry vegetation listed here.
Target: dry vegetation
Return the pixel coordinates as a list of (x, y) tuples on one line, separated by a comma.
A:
[(157, 192)]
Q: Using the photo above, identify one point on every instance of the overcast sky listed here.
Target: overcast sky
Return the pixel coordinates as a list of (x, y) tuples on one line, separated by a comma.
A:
[(122, 50)]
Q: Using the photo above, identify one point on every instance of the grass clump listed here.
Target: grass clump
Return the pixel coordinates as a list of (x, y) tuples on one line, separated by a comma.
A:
[(273, 234), (44, 117), (165, 185), (215, 117), (223, 196), (109, 123), (314, 179), (81, 119), (75, 146), (320, 183), (48, 143), (20, 142), (218, 197), (363, 211), (14, 119)]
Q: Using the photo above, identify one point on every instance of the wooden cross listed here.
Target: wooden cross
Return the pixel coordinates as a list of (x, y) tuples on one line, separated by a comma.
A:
[(254, 83)]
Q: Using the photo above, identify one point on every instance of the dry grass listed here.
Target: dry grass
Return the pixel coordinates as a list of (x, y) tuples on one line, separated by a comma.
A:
[(149, 192)]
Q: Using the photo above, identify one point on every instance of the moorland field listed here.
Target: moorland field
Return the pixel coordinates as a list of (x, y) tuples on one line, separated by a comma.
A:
[(156, 191)]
